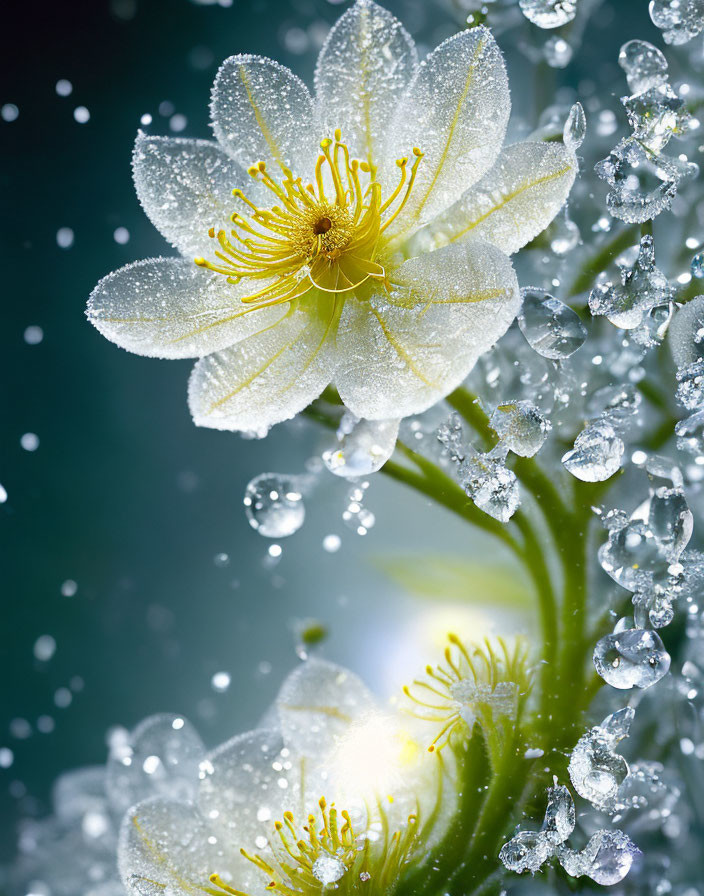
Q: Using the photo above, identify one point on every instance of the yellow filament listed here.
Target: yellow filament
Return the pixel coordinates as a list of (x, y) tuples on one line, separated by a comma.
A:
[(306, 240)]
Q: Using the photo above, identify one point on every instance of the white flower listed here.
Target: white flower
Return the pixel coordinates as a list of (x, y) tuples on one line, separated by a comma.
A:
[(366, 241), (329, 787)]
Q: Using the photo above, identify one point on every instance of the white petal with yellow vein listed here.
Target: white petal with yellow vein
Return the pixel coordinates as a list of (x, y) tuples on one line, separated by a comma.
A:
[(399, 356), (511, 204), (456, 111), (261, 111), (185, 187), (269, 377), (165, 846), (247, 785), (363, 69), (317, 704), (170, 308)]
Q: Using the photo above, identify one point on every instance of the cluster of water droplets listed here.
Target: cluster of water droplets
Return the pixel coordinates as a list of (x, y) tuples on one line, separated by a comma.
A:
[(679, 20), (606, 859), (643, 180)]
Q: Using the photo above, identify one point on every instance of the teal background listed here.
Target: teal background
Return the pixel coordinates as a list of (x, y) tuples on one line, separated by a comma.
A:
[(124, 495)]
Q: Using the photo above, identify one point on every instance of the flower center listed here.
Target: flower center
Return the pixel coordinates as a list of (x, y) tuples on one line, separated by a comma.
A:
[(322, 235), (326, 853)]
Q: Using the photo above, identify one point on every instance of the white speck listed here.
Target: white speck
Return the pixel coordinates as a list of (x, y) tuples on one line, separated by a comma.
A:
[(331, 543), (44, 648), (221, 560), (69, 588), (3, 494), (81, 114), (260, 842), (151, 764), (64, 87), (146, 120), (33, 335), (64, 237), (177, 724), (63, 698), (275, 550), (178, 123), (121, 235), (220, 682), (9, 112), (29, 441), (263, 814), (7, 757), (533, 753)]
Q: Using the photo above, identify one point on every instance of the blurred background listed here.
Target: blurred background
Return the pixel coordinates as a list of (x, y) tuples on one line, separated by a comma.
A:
[(131, 580)]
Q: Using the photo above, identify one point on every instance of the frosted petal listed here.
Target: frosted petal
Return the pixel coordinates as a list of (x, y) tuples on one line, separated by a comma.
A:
[(267, 378), (160, 757), (456, 111), (400, 355), (363, 69), (317, 703), (166, 846), (170, 308), (262, 112), (246, 785), (511, 204), (185, 187)]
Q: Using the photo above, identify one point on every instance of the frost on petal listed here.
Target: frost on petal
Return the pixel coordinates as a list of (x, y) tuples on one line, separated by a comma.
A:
[(170, 308), (267, 378), (399, 355), (262, 112), (165, 846), (160, 757), (317, 703), (511, 204), (455, 111), (363, 69), (246, 785), (185, 187)]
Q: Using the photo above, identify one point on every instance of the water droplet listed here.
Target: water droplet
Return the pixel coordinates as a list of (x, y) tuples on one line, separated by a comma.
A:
[(44, 648), (559, 816), (643, 182), (549, 13), (679, 20), (557, 52), (274, 505), (596, 455), (697, 265), (527, 851), (606, 859), (328, 869), (363, 447), (551, 328), (642, 287), (491, 485), (690, 434), (644, 64), (632, 658), (595, 770), (520, 426), (563, 234), (220, 682)]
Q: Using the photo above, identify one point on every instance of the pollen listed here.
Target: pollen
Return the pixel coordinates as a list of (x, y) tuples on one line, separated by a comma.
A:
[(323, 235)]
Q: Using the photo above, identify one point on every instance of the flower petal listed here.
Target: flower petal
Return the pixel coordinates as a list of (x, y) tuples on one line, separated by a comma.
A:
[(161, 756), (456, 111), (363, 69), (268, 378), (398, 357), (317, 703), (247, 785), (170, 308), (165, 846), (511, 204), (185, 187), (262, 112)]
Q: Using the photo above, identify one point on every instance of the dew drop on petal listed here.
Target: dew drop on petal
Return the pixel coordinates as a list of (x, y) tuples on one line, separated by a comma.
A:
[(328, 869)]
